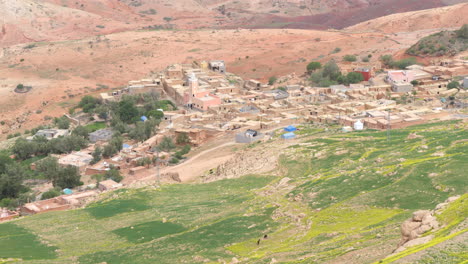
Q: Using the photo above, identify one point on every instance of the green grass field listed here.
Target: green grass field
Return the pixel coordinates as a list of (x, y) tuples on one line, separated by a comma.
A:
[(95, 126), (17, 242), (148, 231), (346, 199)]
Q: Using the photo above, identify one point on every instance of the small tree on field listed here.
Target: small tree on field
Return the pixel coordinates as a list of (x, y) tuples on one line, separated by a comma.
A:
[(61, 177), (313, 66), (50, 194), (387, 60), (463, 32), (97, 153), (331, 70), (97, 177), (349, 58), (62, 122), (166, 144), (81, 131), (354, 77), (183, 138), (453, 84), (113, 174), (109, 151), (272, 80)]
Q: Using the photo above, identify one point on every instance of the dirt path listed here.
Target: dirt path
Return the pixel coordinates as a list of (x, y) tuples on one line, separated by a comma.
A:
[(194, 166), (210, 156), (203, 161), (194, 158)]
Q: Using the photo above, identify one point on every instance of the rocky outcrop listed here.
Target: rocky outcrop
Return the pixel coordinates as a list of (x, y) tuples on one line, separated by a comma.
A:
[(421, 222), (171, 176), (10, 125), (413, 136), (243, 163)]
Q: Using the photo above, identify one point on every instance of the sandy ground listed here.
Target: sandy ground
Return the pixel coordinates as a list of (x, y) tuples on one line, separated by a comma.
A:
[(208, 159)]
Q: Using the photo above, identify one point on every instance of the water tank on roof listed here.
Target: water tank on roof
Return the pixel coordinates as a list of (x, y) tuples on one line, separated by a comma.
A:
[(251, 133), (358, 125)]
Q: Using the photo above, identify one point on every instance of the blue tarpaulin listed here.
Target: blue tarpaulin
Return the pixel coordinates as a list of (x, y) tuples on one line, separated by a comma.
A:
[(290, 135), (290, 128), (125, 146), (67, 191), (144, 118)]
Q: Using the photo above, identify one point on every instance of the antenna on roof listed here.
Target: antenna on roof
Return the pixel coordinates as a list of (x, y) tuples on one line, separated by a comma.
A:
[(388, 125)]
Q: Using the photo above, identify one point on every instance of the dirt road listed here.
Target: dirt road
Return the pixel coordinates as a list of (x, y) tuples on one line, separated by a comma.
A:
[(201, 162)]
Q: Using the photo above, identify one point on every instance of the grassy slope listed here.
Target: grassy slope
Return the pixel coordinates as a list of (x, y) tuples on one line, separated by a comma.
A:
[(348, 193)]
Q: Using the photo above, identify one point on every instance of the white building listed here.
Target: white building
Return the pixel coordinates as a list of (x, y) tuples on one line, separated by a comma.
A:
[(358, 125)]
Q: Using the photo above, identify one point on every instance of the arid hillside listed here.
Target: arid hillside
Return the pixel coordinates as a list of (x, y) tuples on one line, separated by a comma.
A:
[(446, 17), (23, 21), (33, 21), (320, 14)]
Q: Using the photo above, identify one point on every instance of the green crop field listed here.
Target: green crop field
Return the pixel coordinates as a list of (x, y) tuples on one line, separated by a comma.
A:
[(148, 231), (347, 195), (95, 126), (17, 242)]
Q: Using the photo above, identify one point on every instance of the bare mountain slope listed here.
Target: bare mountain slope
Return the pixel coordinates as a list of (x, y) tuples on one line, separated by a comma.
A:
[(50, 20), (447, 17), (33, 21), (315, 14)]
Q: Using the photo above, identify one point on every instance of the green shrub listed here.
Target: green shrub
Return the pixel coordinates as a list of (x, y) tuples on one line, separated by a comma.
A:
[(62, 122), (113, 174), (403, 63), (166, 144), (282, 88), (336, 50), (50, 194), (313, 66), (354, 77), (182, 138), (30, 46), (463, 32), (349, 58), (272, 80), (387, 60), (453, 84)]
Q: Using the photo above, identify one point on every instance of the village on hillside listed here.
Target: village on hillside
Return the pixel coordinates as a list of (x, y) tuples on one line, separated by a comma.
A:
[(203, 103)]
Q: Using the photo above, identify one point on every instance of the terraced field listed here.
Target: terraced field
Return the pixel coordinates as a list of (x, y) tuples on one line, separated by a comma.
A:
[(334, 198)]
